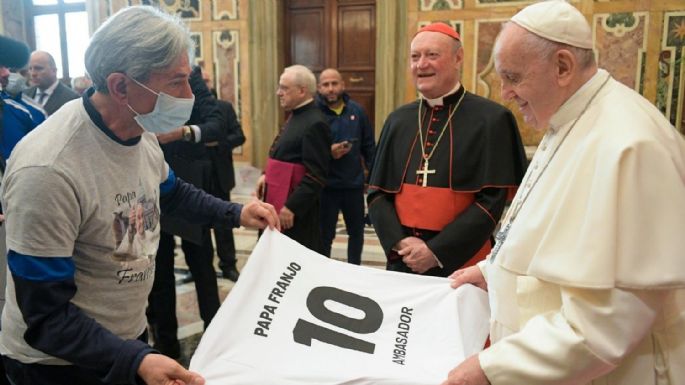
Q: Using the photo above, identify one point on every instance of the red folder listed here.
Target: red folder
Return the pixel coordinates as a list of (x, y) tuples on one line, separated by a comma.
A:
[(281, 180)]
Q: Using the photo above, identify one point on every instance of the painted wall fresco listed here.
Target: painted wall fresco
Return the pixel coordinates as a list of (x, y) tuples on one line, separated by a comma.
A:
[(225, 10), (187, 9), (226, 63), (670, 87), (439, 5), (487, 82)]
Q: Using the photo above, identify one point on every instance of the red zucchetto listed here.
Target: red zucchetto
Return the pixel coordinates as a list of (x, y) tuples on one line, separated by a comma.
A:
[(442, 28)]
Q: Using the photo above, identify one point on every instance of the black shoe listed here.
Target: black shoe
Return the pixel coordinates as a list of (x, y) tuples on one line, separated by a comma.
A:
[(231, 274), (186, 278), (183, 275)]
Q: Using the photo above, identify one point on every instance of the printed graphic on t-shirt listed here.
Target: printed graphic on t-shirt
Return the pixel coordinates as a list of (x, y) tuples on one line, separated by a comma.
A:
[(135, 219)]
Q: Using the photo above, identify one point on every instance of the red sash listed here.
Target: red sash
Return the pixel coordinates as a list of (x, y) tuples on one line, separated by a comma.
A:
[(281, 179), (433, 208)]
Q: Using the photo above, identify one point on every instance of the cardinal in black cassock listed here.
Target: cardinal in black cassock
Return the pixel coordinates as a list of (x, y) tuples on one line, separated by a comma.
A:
[(445, 168)]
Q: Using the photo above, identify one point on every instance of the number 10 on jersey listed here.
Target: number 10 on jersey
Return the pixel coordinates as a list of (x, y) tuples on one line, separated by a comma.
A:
[(305, 331)]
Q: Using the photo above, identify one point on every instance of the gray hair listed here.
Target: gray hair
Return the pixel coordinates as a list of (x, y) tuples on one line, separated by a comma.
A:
[(543, 48), (136, 41), (303, 77)]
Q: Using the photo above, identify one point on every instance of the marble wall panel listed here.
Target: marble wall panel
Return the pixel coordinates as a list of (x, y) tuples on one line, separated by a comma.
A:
[(621, 44)]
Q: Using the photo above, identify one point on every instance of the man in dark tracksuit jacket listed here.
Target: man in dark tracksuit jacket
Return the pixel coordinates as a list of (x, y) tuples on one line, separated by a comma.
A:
[(353, 149)]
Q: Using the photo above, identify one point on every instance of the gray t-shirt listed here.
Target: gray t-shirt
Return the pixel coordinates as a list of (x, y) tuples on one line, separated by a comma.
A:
[(72, 191)]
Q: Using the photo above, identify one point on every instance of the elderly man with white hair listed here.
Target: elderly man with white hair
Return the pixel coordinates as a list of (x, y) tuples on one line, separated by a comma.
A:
[(82, 196), (298, 161), (586, 283)]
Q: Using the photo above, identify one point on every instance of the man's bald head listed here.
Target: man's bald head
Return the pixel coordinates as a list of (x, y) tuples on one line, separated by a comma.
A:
[(331, 86), (330, 73), (42, 69)]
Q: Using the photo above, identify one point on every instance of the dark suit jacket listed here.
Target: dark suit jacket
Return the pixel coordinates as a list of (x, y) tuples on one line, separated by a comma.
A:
[(194, 162), (222, 154), (61, 95)]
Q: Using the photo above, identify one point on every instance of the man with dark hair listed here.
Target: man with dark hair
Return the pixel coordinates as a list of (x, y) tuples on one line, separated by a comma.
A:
[(352, 150), (16, 119)]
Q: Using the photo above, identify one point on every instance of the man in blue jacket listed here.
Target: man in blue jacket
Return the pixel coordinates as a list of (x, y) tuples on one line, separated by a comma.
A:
[(352, 150)]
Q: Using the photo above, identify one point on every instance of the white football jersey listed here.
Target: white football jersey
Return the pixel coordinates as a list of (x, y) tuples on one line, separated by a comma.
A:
[(296, 317)]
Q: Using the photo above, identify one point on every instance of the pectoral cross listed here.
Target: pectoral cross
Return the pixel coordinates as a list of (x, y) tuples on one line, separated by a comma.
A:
[(425, 171)]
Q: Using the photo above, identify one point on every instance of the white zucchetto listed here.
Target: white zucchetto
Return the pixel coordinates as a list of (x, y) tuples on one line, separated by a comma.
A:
[(556, 20)]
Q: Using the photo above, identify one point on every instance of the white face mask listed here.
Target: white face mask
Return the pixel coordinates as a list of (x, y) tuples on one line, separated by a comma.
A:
[(15, 84), (169, 113)]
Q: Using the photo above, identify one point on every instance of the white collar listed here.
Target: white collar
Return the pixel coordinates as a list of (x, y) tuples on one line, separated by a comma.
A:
[(48, 91), (439, 100), (577, 102), (303, 103)]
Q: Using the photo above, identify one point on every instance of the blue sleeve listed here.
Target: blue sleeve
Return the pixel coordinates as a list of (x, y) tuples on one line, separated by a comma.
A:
[(183, 200), (44, 288)]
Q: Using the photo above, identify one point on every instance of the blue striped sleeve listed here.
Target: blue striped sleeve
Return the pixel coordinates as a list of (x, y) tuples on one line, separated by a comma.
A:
[(43, 269), (44, 288), (168, 185)]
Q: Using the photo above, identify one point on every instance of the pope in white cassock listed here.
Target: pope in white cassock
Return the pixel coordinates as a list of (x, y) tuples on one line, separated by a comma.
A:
[(586, 284)]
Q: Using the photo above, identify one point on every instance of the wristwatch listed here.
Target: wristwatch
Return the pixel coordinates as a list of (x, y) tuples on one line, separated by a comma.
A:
[(187, 134)]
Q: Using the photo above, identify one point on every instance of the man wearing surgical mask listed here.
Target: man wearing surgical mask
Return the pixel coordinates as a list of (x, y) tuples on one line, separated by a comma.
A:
[(83, 196), (20, 114)]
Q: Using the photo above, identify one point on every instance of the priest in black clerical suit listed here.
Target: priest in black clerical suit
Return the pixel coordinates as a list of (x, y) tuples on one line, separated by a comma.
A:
[(298, 160), (445, 166)]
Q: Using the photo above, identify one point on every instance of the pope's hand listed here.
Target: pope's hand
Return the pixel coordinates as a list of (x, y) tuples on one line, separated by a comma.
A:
[(471, 274), (157, 369), (468, 372), (259, 214)]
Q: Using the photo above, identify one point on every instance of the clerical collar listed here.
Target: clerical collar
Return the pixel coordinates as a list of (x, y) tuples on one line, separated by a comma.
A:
[(303, 103), (575, 104), (439, 100)]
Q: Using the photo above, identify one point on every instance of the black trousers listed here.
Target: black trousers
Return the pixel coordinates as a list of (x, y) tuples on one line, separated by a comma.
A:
[(161, 311), (225, 245), (351, 203)]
